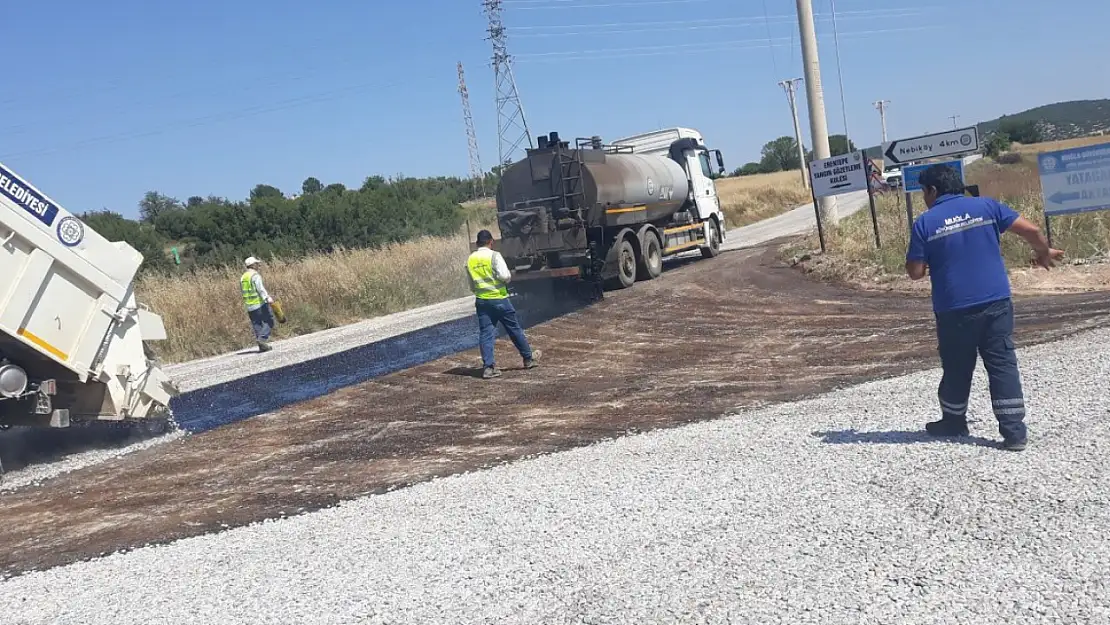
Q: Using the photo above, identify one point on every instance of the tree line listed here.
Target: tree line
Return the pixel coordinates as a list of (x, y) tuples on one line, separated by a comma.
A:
[(174, 235), (782, 155), (1008, 131)]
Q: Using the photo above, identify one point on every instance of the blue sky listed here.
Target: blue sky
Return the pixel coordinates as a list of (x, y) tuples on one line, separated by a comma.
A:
[(104, 101)]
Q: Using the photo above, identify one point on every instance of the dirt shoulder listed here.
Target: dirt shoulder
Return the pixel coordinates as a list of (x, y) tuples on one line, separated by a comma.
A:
[(1086, 277), (706, 338)]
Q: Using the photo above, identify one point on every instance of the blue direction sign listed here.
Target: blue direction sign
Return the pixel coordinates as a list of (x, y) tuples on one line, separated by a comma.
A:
[(1075, 180), (911, 173)]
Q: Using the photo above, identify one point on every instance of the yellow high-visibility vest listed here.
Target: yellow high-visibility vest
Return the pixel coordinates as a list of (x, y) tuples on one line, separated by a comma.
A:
[(486, 284), (250, 294)]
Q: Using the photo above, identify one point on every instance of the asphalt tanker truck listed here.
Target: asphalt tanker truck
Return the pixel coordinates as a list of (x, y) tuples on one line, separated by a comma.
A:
[(608, 214), (71, 333)]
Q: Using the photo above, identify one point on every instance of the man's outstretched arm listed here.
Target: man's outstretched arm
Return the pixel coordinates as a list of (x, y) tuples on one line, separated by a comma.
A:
[(1046, 256)]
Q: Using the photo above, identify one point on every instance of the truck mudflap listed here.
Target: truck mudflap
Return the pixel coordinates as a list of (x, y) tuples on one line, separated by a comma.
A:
[(563, 285), (547, 274)]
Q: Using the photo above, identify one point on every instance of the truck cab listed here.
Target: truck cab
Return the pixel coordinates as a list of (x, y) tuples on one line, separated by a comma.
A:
[(695, 160)]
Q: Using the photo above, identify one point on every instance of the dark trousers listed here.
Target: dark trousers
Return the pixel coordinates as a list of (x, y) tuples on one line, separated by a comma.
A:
[(262, 322), (987, 331), (490, 313)]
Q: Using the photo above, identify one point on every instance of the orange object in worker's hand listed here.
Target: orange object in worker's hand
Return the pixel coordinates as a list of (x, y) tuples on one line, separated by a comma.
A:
[(279, 314)]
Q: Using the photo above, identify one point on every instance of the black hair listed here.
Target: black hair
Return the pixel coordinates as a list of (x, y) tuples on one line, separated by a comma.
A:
[(943, 178), (484, 237)]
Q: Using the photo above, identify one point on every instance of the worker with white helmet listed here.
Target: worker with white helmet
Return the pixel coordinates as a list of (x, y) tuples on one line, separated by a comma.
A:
[(258, 303)]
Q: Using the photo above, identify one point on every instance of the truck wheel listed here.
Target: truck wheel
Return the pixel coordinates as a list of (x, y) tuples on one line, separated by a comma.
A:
[(714, 247), (651, 263), (626, 265)]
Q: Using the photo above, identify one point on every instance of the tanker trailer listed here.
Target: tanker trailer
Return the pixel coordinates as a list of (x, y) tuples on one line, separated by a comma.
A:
[(72, 336), (608, 214)]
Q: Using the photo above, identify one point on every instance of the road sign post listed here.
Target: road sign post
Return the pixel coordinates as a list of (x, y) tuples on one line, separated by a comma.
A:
[(937, 145), (1074, 181), (871, 200), (1048, 228), (909, 217), (816, 210), (837, 175)]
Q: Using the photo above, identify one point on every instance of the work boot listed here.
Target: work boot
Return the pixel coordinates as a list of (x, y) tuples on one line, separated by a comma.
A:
[(531, 363), (947, 427), (1014, 444), (263, 346), (490, 372)]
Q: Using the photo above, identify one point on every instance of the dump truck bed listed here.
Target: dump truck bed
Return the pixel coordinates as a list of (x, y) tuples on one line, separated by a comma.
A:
[(67, 307)]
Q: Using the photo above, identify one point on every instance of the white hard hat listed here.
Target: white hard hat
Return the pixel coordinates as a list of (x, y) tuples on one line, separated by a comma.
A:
[(252, 261)]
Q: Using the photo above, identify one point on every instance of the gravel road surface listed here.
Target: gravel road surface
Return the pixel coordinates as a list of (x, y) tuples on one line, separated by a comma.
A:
[(831, 510), (636, 361), (212, 395)]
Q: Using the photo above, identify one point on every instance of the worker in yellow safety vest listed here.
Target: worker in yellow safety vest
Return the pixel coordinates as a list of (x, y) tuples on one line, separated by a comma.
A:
[(258, 303), (489, 276)]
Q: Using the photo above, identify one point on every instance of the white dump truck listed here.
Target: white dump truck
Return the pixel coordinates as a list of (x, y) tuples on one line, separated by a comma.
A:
[(71, 333)]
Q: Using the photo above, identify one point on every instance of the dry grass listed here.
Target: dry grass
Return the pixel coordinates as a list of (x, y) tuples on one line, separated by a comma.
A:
[(852, 257), (204, 314), (1050, 146), (481, 214), (748, 199)]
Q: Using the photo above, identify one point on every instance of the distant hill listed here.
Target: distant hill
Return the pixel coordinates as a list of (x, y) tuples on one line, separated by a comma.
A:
[(1063, 120)]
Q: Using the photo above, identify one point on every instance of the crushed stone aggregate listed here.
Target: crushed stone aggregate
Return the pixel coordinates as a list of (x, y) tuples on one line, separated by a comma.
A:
[(834, 509)]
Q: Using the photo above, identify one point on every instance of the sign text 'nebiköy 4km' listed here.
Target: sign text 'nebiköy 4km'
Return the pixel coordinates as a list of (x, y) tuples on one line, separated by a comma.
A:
[(838, 175), (1075, 180), (951, 143)]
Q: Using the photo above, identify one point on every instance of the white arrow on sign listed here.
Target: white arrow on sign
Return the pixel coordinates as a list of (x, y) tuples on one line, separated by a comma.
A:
[(838, 175), (951, 143)]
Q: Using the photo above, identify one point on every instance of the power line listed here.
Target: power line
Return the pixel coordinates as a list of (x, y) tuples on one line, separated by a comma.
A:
[(840, 77), (692, 47), (786, 19), (659, 29), (767, 22)]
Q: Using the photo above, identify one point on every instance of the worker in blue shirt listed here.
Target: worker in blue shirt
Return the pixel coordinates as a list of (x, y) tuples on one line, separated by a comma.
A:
[(957, 240)]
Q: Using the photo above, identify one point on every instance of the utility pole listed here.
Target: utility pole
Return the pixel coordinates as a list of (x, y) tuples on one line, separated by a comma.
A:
[(954, 118), (789, 86), (815, 98), (512, 129), (477, 174), (881, 105)]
